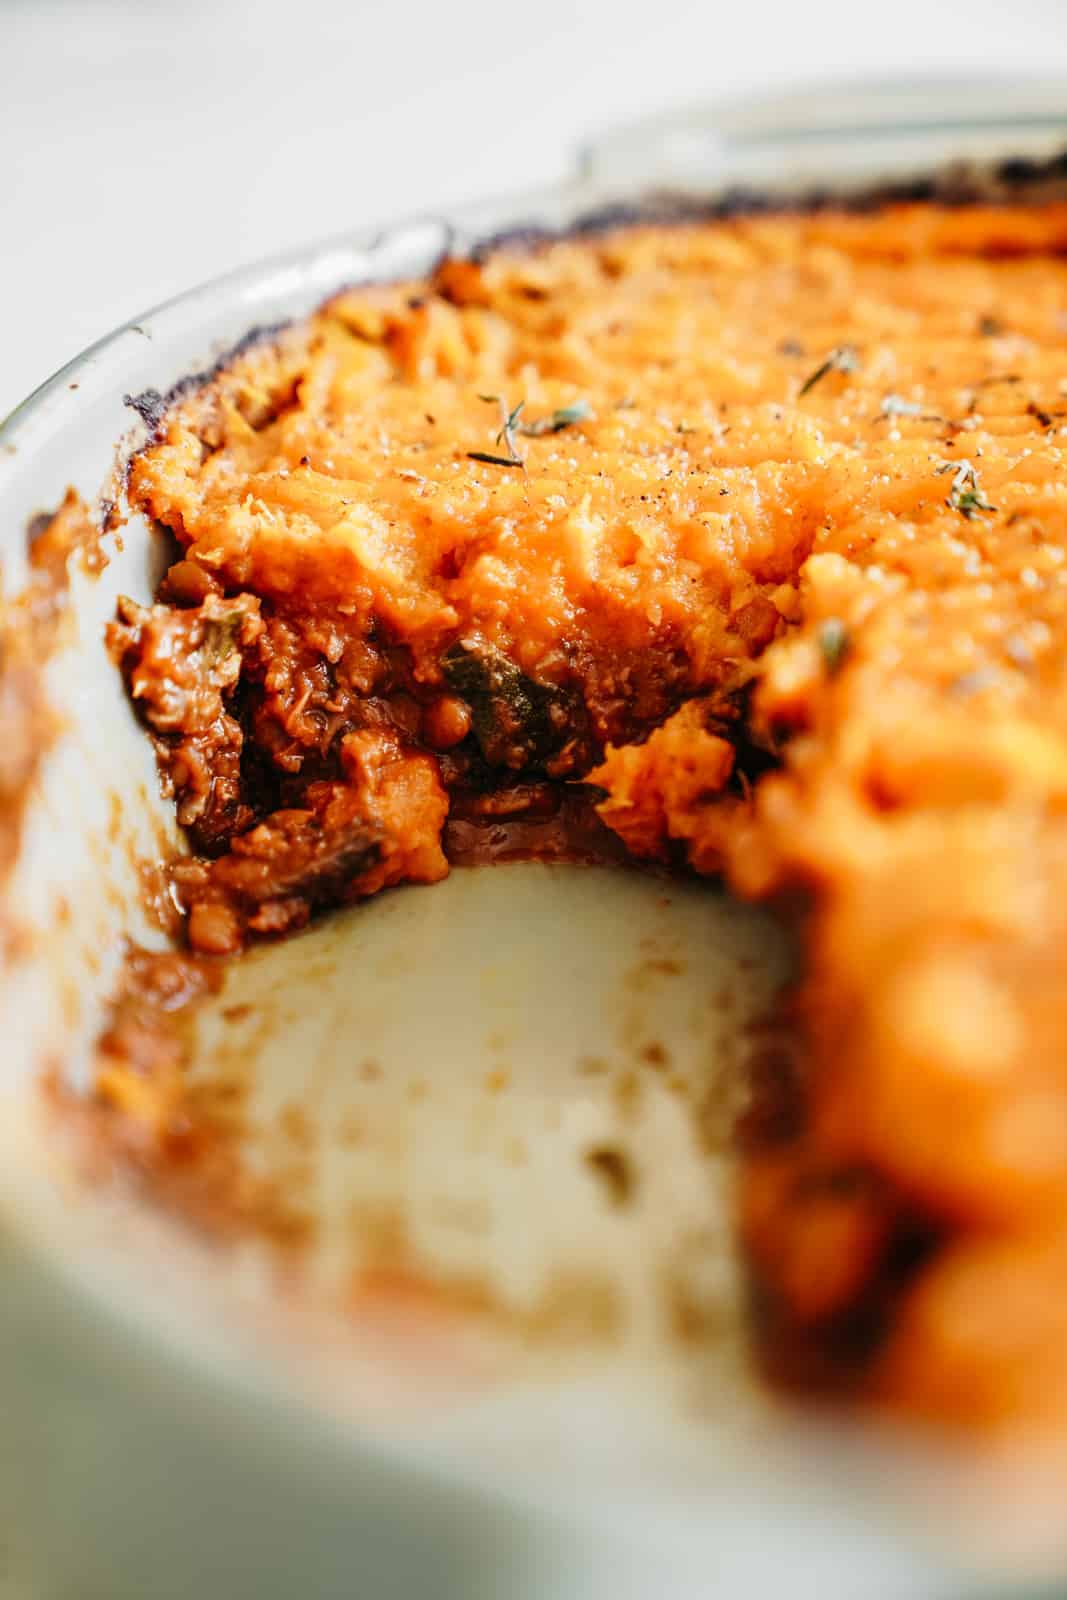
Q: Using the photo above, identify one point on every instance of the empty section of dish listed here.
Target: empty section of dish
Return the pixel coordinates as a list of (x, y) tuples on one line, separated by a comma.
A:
[(511, 1098)]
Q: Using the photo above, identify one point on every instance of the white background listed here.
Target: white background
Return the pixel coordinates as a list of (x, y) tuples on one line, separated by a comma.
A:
[(145, 146)]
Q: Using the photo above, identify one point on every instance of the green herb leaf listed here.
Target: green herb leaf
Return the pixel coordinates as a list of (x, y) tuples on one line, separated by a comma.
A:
[(506, 436), (843, 359), (969, 502), (565, 417), (512, 715), (220, 637), (966, 494), (509, 422), (834, 643), (511, 426)]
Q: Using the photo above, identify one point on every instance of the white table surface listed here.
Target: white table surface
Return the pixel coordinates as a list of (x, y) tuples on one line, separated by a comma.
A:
[(149, 145)]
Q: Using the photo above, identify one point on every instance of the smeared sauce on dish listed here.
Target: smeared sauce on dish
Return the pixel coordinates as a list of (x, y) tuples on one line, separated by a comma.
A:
[(31, 626), (508, 1117)]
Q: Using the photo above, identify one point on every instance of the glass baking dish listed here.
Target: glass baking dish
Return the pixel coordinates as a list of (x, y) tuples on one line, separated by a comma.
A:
[(134, 1363)]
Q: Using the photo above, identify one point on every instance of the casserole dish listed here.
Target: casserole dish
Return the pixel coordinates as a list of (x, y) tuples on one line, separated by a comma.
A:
[(178, 1423)]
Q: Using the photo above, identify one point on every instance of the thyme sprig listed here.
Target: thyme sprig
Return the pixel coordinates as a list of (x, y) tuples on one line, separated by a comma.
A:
[(966, 494), (495, 461), (506, 436), (511, 426), (841, 359)]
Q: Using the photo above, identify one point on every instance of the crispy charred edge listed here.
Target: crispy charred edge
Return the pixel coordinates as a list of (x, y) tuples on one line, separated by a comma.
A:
[(31, 630), (154, 406), (1011, 180), (1008, 181)]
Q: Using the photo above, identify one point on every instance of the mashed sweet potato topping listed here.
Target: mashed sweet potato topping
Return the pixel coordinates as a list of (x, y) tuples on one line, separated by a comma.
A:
[(752, 532)]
